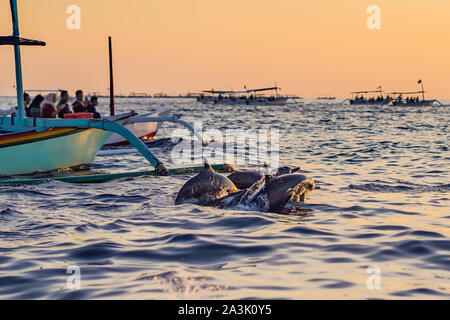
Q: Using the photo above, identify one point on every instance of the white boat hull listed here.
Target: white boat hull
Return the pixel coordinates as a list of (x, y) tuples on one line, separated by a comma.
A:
[(142, 130)]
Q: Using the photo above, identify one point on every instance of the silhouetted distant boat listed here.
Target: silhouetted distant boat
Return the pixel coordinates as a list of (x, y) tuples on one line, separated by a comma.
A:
[(412, 101), (244, 97), (326, 98), (360, 99)]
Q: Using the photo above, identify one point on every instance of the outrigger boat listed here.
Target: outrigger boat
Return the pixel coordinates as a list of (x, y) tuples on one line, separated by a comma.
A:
[(413, 101), (29, 145), (244, 97), (359, 98)]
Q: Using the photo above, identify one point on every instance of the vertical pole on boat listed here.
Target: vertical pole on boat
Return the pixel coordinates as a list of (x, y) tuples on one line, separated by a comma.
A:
[(111, 79), (423, 91), (19, 85)]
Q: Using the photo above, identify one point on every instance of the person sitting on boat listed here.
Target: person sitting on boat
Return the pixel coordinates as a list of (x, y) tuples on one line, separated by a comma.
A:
[(48, 106), (79, 96), (79, 105), (91, 108), (26, 103), (35, 106), (63, 104)]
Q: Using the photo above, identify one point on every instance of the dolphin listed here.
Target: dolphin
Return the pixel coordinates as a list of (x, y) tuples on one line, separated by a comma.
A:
[(244, 179), (205, 187), (268, 194), (280, 191)]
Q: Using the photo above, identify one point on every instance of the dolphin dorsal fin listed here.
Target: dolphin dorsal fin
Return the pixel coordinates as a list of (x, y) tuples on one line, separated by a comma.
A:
[(207, 166)]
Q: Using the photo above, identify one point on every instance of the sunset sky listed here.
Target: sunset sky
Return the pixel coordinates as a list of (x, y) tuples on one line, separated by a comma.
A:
[(310, 48)]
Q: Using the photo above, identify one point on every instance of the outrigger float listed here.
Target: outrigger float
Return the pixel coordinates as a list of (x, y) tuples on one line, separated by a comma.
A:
[(30, 145)]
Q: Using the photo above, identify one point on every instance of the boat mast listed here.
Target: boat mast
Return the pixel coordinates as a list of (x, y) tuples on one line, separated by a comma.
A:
[(111, 79), (19, 84), (423, 90)]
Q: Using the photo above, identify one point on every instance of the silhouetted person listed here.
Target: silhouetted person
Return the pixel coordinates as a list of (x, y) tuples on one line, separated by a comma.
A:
[(79, 105), (35, 106), (26, 103), (63, 104), (92, 107), (48, 106)]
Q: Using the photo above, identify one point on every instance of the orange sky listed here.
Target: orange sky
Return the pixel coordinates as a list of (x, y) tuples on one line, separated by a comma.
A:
[(309, 48)]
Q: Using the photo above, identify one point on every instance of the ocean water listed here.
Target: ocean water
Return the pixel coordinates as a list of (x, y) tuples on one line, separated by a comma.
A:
[(378, 229)]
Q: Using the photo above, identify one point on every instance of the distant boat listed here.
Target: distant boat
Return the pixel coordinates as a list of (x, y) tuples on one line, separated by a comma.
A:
[(176, 96), (244, 97), (326, 98), (360, 99), (412, 101), (400, 101), (139, 95)]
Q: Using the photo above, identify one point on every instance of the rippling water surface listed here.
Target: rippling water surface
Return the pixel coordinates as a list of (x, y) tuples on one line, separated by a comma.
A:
[(384, 204)]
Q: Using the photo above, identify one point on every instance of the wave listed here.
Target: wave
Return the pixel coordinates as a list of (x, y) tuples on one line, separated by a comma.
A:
[(399, 188)]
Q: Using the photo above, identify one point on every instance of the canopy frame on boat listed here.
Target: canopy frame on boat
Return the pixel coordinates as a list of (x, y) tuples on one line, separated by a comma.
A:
[(276, 88), (379, 90)]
